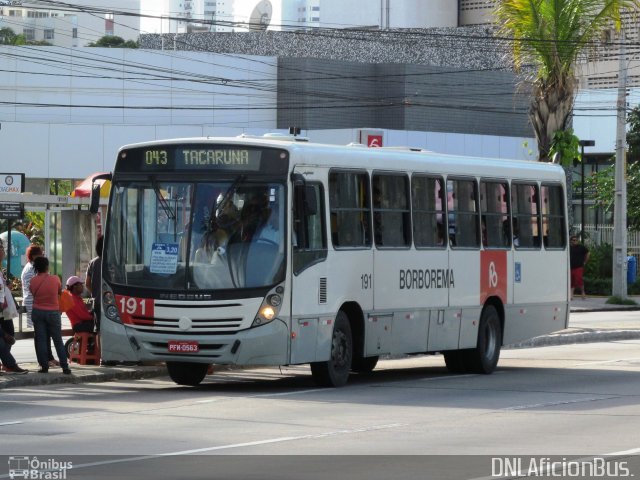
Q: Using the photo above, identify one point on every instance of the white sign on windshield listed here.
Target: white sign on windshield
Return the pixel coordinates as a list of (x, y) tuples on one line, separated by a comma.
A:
[(164, 258)]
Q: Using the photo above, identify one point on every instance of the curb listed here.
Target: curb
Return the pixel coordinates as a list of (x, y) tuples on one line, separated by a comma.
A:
[(578, 337), (81, 375)]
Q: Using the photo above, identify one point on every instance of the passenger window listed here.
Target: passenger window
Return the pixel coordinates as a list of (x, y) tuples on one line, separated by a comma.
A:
[(349, 209), (429, 219), (391, 213), (309, 239), (526, 217), (553, 220), (462, 205), (495, 223)]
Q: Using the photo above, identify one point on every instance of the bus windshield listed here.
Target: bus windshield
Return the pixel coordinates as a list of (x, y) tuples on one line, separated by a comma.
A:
[(218, 235)]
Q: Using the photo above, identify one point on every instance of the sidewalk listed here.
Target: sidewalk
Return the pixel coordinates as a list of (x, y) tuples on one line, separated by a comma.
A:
[(581, 330)]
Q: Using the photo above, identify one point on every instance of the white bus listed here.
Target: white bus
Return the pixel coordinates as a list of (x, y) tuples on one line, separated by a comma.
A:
[(276, 251)]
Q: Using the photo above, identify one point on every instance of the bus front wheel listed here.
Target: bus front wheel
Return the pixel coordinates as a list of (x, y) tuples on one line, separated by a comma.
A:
[(484, 358), (335, 372), (187, 373)]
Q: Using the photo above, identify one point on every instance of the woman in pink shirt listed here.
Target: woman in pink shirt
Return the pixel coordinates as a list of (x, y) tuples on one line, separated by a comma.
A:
[(45, 314)]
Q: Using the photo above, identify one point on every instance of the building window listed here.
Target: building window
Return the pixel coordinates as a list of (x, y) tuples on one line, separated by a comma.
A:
[(48, 33), (29, 33), (74, 32), (315, 9), (15, 13)]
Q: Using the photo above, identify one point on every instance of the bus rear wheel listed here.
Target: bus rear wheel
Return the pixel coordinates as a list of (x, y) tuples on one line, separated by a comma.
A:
[(484, 358), (364, 364), (335, 372), (187, 373)]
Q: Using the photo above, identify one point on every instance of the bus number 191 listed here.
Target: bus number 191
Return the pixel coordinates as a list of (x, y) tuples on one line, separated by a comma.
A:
[(366, 280)]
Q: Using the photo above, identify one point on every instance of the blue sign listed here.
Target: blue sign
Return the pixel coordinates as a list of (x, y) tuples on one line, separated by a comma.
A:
[(164, 258), (518, 272)]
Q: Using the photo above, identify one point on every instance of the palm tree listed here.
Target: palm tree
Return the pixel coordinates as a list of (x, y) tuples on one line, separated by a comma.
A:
[(550, 34)]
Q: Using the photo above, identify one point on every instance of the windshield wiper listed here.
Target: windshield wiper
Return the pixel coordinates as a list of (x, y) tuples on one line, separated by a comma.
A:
[(227, 194), (162, 201)]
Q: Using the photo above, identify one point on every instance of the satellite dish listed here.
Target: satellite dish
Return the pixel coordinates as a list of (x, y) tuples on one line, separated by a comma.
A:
[(261, 16)]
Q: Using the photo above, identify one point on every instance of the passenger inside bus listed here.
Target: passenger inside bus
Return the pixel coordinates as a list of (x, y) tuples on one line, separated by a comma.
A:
[(253, 217)]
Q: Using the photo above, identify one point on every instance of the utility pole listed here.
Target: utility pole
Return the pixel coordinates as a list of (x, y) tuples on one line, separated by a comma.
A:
[(620, 198)]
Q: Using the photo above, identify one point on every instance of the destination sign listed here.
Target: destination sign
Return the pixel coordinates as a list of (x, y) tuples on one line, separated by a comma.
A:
[(199, 158), (204, 158)]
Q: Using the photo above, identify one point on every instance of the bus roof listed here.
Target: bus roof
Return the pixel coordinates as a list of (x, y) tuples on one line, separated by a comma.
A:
[(387, 158)]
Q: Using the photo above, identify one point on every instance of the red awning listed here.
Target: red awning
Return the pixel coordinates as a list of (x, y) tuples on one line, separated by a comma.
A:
[(84, 189)]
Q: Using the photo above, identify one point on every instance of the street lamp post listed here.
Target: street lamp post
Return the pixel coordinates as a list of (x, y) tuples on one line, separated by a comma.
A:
[(583, 143)]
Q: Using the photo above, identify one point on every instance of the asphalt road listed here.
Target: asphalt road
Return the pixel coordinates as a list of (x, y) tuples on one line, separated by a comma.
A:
[(566, 400)]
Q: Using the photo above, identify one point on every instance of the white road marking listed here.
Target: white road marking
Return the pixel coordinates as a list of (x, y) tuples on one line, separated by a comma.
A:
[(268, 441), (260, 395), (10, 423), (563, 402), (607, 362)]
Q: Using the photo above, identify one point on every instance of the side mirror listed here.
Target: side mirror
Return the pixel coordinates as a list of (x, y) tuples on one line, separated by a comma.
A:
[(94, 206)]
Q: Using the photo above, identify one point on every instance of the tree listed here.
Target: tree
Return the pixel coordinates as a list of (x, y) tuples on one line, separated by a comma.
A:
[(9, 37), (110, 41), (550, 34), (600, 186)]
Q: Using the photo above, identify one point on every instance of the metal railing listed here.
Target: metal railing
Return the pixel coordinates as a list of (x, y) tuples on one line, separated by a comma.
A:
[(604, 234)]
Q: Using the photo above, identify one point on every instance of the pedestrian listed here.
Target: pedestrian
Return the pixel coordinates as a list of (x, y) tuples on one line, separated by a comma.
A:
[(9, 309), (7, 332), (9, 365), (579, 256), (46, 289), (33, 251), (94, 280)]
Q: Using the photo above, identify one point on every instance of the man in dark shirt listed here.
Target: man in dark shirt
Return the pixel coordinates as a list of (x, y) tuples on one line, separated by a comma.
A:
[(579, 256)]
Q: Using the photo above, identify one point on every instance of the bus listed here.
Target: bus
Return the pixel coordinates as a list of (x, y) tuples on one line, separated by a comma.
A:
[(256, 251)]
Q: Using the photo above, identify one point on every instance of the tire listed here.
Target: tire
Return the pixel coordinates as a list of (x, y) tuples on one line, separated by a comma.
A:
[(455, 360), (484, 358), (364, 364), (187, 373), (68, 346), (335, 372)]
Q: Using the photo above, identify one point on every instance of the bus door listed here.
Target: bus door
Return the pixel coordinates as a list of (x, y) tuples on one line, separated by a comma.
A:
[(311, 318)]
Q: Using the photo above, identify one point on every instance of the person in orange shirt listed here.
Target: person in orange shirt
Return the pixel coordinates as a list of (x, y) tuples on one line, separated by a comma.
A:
[(45, 289), (79, 315)]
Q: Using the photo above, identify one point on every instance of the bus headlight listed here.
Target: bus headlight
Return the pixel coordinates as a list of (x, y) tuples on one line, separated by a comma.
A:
[(268, 313), (270, 307), (109, 304)]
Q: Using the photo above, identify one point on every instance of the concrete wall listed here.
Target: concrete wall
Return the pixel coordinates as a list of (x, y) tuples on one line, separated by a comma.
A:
[(66, 115), (317, 94)]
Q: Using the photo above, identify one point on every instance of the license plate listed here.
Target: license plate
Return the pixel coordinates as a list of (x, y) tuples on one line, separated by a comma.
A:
[(183, 346)]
